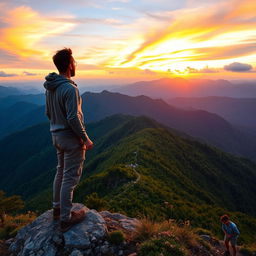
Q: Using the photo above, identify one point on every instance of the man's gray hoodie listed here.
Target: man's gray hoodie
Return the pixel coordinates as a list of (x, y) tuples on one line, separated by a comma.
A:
[(64, 106)]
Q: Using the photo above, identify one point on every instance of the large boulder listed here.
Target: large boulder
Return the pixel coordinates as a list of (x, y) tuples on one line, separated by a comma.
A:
[(42, 237)]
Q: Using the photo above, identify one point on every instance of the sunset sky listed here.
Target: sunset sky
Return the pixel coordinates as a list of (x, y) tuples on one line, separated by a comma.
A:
[(129, 38)]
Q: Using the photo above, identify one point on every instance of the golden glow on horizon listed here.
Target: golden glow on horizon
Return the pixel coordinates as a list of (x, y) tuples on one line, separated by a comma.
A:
[(187, 44), (196, 45)]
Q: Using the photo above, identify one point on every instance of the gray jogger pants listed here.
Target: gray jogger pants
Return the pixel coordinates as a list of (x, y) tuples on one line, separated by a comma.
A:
[(70, 156)]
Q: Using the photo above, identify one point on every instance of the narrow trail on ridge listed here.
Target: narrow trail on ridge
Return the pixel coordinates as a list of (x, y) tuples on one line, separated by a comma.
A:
[(134, 166)]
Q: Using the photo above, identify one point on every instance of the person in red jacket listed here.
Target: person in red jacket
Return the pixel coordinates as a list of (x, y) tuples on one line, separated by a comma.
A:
[(69, 137)]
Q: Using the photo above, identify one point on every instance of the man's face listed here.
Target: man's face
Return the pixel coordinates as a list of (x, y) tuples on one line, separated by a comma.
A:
[(72, 67)]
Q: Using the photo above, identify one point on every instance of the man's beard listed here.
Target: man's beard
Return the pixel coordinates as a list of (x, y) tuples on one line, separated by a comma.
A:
[(72, 72)]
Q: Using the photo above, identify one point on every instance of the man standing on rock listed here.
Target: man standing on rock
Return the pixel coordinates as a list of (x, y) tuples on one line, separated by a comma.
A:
[(63, 109)]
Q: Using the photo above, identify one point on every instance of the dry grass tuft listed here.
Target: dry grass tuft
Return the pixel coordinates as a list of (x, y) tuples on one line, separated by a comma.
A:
[(182, 233)]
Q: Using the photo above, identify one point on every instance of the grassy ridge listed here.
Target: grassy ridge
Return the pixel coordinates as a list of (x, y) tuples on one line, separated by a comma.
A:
[(177, 177), (198, 182)]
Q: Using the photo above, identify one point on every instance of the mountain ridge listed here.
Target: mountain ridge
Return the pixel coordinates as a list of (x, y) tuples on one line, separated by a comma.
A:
[(239, 111), (180, 87), (199, 181)]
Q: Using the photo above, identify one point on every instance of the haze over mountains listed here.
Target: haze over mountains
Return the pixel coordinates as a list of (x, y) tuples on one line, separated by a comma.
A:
[(174, 162), (237, 111), (167, 88), (6, 91), (17, 89), (200, 124)]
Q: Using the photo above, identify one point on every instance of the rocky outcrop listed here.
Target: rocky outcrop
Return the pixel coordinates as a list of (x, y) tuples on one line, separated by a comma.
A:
[(90, 237)]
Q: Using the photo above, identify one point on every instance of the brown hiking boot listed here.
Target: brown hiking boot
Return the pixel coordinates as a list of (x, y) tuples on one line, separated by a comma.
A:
[(76, 217), (56, 213)]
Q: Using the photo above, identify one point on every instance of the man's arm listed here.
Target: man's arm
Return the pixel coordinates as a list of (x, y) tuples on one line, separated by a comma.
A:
[(47, 112), (224, 230), (235, 230), (71, 105)]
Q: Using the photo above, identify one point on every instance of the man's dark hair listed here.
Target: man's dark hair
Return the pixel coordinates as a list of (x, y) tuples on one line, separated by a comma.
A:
[(62, 59), (224, 218)]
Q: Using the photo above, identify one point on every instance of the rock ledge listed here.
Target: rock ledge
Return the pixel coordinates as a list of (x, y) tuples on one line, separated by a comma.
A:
[(42, 237)]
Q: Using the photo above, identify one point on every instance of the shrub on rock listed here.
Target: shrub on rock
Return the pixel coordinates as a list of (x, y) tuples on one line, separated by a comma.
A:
[(116, 237)]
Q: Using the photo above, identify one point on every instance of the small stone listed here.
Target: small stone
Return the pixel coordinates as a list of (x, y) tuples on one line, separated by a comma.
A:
[(97, 249), (40, 253), (93, 239), (104, 249), (111, 250), (106, 243), (120, 253), (31, 253), (88, 252), (57, 239), (76, 253), (9, 241), (29, 246)]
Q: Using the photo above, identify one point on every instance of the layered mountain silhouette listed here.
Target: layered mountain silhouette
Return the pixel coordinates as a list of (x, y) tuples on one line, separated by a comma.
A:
[(38, 99), (239, 111), (6, 91), (201, 124), (167, 88), (14, 117), (136, 166), (149, 159)]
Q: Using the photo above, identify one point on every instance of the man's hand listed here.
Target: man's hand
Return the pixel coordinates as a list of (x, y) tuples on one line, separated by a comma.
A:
[(88, 144)]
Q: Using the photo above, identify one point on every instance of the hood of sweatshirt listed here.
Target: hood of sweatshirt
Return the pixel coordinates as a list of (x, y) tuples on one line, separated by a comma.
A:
[(54, 80)]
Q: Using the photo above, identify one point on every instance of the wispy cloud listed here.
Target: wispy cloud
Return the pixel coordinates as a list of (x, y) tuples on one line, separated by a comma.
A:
[(25, 73), (121, 36), (24, 31), (199, 34), (3, 74), (238, 67), (85, 20), (203, 70)]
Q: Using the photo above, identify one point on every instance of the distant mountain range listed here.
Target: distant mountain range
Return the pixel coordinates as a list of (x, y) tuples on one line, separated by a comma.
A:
[(200, 182), (239, 111), (8, 101), (20, 111), (149, 159), (167, 88), (7, 91), (200, 124), (16, 90)]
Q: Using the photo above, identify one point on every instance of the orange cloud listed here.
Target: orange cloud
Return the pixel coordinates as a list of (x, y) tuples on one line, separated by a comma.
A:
[(25, 28), (217, 32)]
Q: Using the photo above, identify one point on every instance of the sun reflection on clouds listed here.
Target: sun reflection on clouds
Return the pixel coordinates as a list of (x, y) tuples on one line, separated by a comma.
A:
[(185, 40), (25, 28), (201, 37)]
